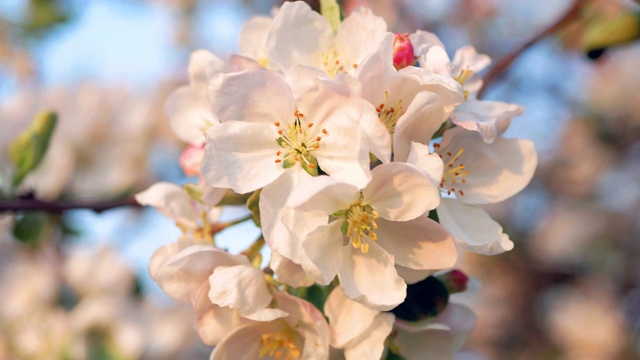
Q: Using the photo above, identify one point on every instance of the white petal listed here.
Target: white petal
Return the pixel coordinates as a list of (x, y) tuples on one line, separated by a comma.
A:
[(322, 246), (370, 278), (347, 319), (254, 96), (412, 276), (400, 192), (243, 342), (172, 200), (324, 194), (430, 164), (370, 345), (421, 120), (420, 244), (241, 156), (284, 227), (497, 170), (472, 228), (484, 116), (253, 37), (181, 275), (360, 34), (299, 35), (467, 58), (212, 321), (189, 114), (240, 287), (289, 272), (202, 66)]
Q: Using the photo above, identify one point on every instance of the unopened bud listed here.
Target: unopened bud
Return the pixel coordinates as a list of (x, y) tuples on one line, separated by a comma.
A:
[(455, 281), (191, 158), (403, 54)]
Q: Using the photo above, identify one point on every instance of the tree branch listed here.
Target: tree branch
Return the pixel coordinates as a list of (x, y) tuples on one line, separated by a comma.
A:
[(503, 63), (32, 204)]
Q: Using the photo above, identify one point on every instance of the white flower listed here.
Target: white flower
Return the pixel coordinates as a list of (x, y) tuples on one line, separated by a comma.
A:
[(373, 229), (303, 334), (356, 328), (302, 37), (476, 172), (440, 337)]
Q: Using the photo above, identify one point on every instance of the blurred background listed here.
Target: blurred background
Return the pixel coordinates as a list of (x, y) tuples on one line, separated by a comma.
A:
[(77, 283)]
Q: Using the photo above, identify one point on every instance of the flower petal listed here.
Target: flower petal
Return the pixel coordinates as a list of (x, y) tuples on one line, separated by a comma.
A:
[(324, 194), (370, 278), (370, 345), (484, 116), (241, 156), (172, 200), (289, 272), (322, 246), (255, 96), (240, 287), (472, 228), (203, 65), (189, 114), (497, 170), (430, 164), (420, 244), (400, 192), (348, 319)]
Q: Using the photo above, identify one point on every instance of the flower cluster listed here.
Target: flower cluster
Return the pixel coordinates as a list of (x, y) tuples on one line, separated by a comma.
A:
[(364, 156)]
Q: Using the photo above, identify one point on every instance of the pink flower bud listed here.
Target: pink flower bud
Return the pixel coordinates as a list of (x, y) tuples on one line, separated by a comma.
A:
[(403, 54), (191, 158), (455, 281)]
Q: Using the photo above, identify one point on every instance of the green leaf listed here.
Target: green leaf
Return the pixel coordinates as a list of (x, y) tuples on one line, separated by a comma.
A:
[(253, 206), (331, 11), (30, 147), (28, 228)]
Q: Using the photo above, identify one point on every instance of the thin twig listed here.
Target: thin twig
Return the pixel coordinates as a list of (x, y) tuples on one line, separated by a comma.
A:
[(32, 204), (503, 63)]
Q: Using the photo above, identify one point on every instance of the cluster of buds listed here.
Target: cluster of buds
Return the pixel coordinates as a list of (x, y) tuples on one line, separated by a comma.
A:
[(364, 157)]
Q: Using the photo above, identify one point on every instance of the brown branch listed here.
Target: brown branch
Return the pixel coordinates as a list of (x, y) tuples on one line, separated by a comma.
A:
[(503, 63), (32, 204)]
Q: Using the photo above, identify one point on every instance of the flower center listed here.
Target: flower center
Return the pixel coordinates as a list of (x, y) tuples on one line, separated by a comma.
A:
[(279, 345), (203, 232), (359, 221), (389, 114), (462, 78), (454, 172), (298, 140), (331, 63)]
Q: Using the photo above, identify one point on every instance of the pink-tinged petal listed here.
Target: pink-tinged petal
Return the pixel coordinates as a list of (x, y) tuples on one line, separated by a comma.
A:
[(370, 345), (440, 337), (240, 287), (423, 117), (376, 136), (243, 343), (299, 36), (309, 322), (240, 63), (163, 254), (253, 38), (412, 276), (212, 321), (202, 66), (255, 96), (420, 244), (172, 200), (181, 275), (189, 114), (400, 192), (473, 229), (241, 156), (497, 171), (430, 164), (466, 58), (190, 159), (347, 319), (289, 272), (284, 227), (267, 314), (423, 40), (360, 34), (324, 194), (449, 90), (322, 247), (370, 278), (484, 116)]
